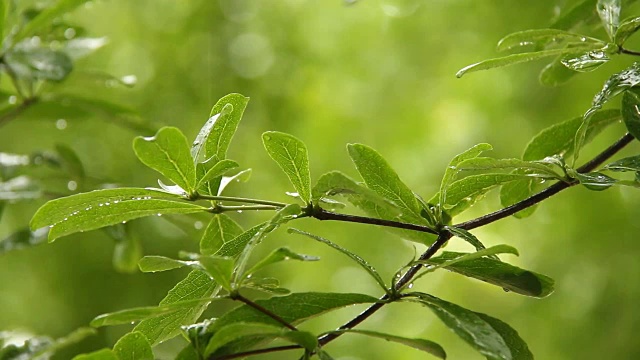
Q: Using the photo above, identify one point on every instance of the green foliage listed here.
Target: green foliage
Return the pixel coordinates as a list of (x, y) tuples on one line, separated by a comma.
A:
[(228, 268)]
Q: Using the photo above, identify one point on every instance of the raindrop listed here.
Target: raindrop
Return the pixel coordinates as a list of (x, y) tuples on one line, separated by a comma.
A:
[(159, 214), (249, 276), (198, 225), (107, 204), (61, 124), (129, 80), (13, 99), (267, 137), (124, 222), (72, 185), (70, 33), (410, 286), (100, 204), (116, 201), (239, 211)]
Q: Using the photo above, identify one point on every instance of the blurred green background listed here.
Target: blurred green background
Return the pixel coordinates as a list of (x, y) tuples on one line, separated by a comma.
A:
[(379, 72)]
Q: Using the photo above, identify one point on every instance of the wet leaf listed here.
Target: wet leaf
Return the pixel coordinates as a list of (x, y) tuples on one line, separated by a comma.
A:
[(196, 285), (219, 169), (220, 227), (133, 346), (23, 238), (420, 344), (631, 112), (587, 61), (595, 181), (498, 273), (80, 47), (132, 315), (609, 12), (490, 253), (290, 153), (154, 263), (127, 251), (242, 176), (168, 153), (468, 237), (278, 255), (220, 268), (541, 38), (246, 330), (625, 30), (294, 308), (224, 127), (100, 208), (486, 163), (626, 164), (336, 183), (616, 84), (511, 60), (583, 12), (360, 261), (502, 343)]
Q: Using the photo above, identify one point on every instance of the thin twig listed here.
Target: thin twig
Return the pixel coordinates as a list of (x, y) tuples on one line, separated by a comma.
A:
[(441, 240), (548, 192), (629, 52), (223, 208), (322, 214), (269, 313)]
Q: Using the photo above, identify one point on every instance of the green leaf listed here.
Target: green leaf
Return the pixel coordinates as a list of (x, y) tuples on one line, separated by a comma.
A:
[(490, 253), (625, 30), (168, 153), (284, 215), (541, 38), (381, 178), (470, 327), (220, 268), (4, 10), (290, 154), (498, 273), (451, 171), (219, 169), (242, 176), (420, 344), (155, 263), (96, 209), (45, 17), (203, 135), (72, 338), (294, 308), (103, 354), (132, 315), (217, 143), (70, 161), (38, 63), (559, 138), (468, 237), (588, 61), (133, 346), (337, 183), (609, 12), (196, 285), (82, 46), (516, 191), (555, 73), (323, 355), (583, 12), (464, 193), (517, 346), (220, 227), (595, 181), (631, 112), (616, 84), (246, 330), (360, 261), (626, 164), (485, 163), (278, 255), (511, 60), (188, 353)]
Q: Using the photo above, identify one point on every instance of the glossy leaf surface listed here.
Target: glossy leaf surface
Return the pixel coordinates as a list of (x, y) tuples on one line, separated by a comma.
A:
[(631, 112), (290, 153), (133, 346), (96, 209), (224, 127), (420, 344), (168, 153), (220, 228)]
